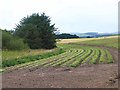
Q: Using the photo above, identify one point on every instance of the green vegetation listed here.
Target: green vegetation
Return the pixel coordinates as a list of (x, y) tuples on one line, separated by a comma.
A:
[(37, 31), (79, 60), (109, 56), (68, 54), (108, 42), (65, 36), (8, 54), (103, 56), (95, 57), (71, 55), (34, 32), (11, 42), (16, 61)]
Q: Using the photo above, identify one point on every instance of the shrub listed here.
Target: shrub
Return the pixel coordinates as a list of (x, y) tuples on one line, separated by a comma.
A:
[(11, 42)]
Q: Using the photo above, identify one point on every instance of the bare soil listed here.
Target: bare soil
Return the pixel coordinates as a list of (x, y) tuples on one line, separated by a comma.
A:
[(84, 76)]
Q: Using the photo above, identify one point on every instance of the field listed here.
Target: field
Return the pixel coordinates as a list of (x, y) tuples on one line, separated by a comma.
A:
[(111, 41), (96, 57)]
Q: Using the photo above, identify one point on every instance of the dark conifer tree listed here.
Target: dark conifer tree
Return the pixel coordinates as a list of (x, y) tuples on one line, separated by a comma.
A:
[(37, 31)]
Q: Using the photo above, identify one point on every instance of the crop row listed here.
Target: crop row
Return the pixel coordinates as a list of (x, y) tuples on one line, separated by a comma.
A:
[(72, 58), (41, 61)]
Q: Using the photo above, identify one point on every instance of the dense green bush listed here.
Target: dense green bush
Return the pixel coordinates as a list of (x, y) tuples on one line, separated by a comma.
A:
[(10, 42), (37, 31)]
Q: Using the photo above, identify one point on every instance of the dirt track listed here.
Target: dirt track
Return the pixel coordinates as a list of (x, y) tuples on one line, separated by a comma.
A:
[(88, 76)]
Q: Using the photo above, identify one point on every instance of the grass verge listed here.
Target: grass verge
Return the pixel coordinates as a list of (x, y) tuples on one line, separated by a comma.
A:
[(16, 61)]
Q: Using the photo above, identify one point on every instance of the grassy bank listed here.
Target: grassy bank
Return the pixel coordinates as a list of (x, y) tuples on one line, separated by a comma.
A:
[(24, 59)]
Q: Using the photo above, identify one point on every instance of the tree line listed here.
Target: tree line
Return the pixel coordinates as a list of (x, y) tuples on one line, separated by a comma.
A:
[(65, 36)]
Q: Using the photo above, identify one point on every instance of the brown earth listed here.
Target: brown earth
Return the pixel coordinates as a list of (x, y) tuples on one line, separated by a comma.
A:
[(85, 76)]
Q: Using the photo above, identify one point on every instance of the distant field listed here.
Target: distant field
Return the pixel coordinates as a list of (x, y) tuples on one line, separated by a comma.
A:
[(63, 41), (108, 42), (83, 39), (111, 41)]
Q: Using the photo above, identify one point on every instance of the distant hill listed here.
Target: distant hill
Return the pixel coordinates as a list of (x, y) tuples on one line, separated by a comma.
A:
[(84, 35), (93, 34)]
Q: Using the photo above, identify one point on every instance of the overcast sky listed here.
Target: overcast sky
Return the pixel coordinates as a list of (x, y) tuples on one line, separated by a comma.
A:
[(68, 15)]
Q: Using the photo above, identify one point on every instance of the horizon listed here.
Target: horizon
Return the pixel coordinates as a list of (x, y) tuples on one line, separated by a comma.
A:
[(69, 16), (91, 32)]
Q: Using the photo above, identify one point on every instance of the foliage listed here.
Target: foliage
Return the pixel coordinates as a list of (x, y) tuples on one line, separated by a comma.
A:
[(80, 59), (66, 36), (37, 31), (11, 42), (95, 57), (103, 56), (109, 56)]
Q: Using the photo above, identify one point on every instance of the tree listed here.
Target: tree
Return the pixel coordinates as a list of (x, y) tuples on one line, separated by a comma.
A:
[(37, 31)]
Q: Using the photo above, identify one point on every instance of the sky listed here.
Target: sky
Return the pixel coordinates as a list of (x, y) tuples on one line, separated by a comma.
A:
[(68, 15)]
